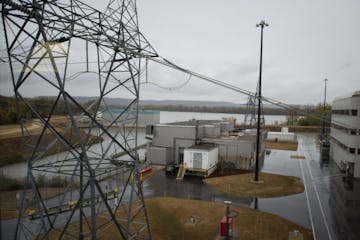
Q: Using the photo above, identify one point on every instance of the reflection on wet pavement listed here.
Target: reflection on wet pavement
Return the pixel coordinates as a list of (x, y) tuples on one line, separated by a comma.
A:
[(329, 205), (326, 206)]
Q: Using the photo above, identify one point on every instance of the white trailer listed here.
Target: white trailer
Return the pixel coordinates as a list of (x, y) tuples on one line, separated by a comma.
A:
[(281, 136), (201, 159)]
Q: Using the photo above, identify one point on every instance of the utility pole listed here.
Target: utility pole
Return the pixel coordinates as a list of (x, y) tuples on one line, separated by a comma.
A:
[(262, 24), (324, 111), (117, 73)]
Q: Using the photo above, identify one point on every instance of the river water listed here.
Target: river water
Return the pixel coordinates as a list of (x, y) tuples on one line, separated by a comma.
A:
[(168, 117), (19, 170), (319, 208), (324, 206)]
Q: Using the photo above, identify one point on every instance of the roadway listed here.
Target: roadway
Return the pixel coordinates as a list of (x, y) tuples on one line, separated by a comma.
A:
[(312, 209)]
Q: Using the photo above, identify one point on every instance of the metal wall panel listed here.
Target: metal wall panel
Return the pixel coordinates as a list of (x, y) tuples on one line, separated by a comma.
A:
[(158, 155), (164, 134)]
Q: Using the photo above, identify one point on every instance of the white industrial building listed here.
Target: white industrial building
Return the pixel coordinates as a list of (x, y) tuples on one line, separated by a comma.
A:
[(120, 117), (238, 151), (202, 158), (284, 135), (145, 117), (345, 133), (172, 142), (169, 140)]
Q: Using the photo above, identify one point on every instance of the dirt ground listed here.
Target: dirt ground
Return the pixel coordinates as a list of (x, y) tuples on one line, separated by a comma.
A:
[(32, 128), (273, 185), (281, 145), (14, 130)]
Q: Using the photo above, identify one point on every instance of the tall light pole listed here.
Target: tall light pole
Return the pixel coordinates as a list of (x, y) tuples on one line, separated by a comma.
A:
[(262, 24), (324, 111)]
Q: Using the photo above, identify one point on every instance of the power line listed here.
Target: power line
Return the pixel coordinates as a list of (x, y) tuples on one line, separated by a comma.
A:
[(173, 88), (115, 35), (278, 103), (167, 63)]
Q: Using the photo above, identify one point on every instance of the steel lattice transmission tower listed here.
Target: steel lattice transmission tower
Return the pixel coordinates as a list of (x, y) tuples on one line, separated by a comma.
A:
[(251, 110), (58, 47)]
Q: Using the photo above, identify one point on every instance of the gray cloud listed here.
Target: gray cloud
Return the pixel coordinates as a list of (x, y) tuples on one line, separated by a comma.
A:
[(306, 42)]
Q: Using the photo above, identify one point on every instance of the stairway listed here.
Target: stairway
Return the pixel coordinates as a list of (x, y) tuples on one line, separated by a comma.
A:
[(181, 172)]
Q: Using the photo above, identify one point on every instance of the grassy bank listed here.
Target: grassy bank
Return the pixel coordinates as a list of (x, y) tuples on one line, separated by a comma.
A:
[(42, 181), (9, 203), (281, 145), (273, 185), (296, 129), (15, 148), (9, 188), (8, 184), (19, 149)]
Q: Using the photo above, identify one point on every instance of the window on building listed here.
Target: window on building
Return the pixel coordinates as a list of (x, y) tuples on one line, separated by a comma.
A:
[(358, 151), (354, 112), (353, 131), (352, 150)]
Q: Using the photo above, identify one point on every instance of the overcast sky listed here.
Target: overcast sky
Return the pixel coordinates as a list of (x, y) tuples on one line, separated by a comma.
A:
[(307, 41)]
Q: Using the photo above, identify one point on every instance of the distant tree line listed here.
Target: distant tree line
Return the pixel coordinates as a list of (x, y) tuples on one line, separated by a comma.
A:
[(211, 109), (313, 116), (8, 111), (43, 105)]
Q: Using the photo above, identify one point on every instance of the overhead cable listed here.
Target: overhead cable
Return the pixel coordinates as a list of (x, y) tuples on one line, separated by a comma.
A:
[(280, 104)]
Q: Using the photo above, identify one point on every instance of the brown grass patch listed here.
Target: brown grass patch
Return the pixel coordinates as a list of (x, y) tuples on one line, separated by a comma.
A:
[(8, 201), (281, 145), (169, 218), (298, 156), (31, 128), (273, 185), (14, 130)]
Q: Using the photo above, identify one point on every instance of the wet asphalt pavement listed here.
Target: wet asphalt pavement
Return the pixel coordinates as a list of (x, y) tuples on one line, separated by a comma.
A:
[(328, 206), (317, 208)]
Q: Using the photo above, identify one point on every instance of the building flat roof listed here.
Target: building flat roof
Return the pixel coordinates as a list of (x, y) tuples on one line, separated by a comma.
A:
[(232, 138), (281, 133), (350, 95), (203, 146), (197, 122), (132, 111)]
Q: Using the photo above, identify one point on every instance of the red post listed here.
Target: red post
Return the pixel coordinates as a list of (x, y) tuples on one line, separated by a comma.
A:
[(224, 225)]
